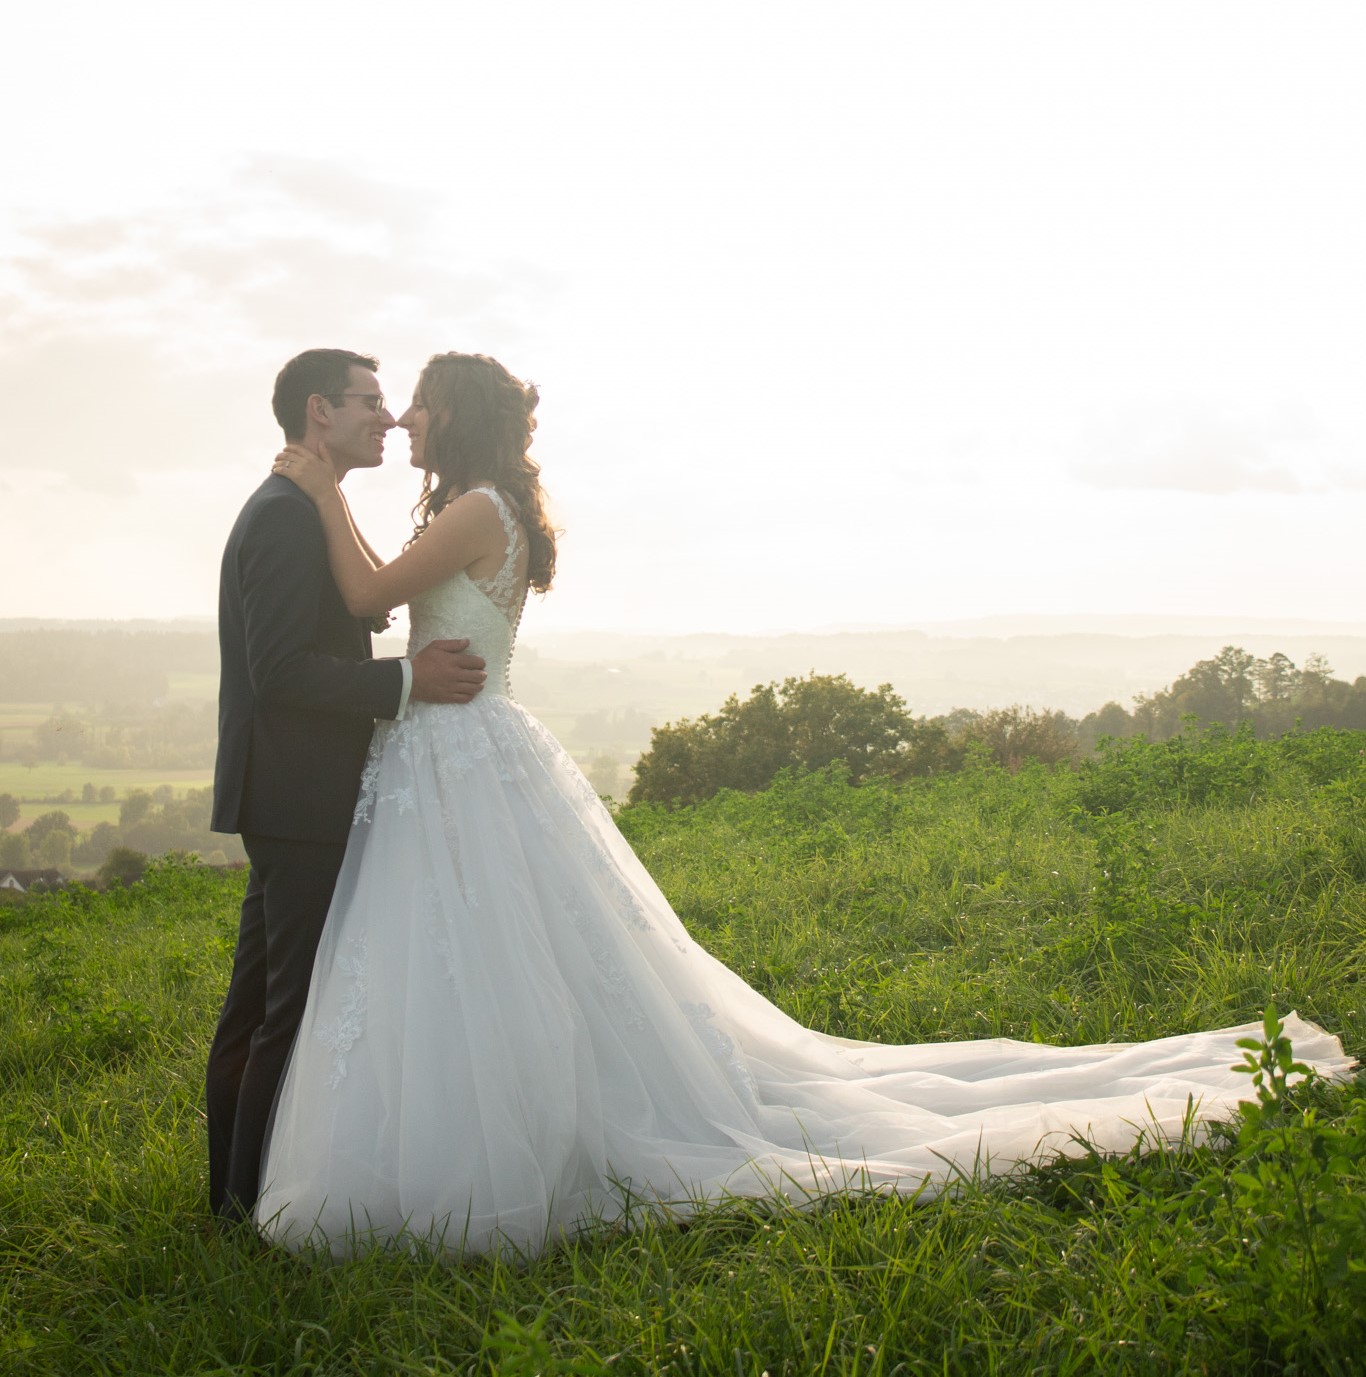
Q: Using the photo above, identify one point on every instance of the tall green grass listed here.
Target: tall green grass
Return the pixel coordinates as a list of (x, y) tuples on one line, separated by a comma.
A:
[(1161, 889)]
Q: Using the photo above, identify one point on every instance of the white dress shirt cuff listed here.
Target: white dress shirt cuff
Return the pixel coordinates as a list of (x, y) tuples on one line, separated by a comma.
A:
[(407, 667)]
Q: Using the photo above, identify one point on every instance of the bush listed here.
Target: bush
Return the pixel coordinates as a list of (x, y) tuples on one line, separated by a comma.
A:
[(15, 852), (48, 823), (123, 866), (97, 844), (801, 724), (55, 850), (1204, 765), (1015, 735)]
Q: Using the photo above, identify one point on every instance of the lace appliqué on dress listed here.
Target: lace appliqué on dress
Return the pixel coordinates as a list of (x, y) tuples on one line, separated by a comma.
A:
[(722, 1048), (470, 740), (503, 589), (369, 779), (611, 973), (469, 891), (339, 1036), (408, 747), (434, 925)]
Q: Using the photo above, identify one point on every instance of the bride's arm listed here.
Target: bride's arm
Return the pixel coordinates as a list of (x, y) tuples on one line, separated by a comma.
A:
[(375, 560), (467, 530)]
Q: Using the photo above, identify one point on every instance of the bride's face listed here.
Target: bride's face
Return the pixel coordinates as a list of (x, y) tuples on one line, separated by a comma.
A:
[(414, 421)]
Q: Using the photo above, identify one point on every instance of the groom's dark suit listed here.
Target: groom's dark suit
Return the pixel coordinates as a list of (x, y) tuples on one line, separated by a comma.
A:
[(298, 696)]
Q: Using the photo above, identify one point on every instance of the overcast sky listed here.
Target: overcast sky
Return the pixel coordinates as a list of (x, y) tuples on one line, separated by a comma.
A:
[(841, 313)]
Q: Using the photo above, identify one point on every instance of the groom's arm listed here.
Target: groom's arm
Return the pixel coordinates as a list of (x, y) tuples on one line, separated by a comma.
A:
[(282, 565)]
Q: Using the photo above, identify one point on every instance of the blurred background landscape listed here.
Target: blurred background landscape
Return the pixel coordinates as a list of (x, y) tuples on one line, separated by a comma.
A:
[(108, 729)]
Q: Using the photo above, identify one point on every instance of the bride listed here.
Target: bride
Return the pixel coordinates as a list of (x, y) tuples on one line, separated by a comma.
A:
[(509, 1033)]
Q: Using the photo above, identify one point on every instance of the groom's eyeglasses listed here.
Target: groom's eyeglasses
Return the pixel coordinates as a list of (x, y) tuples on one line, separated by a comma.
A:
[(372, 401)]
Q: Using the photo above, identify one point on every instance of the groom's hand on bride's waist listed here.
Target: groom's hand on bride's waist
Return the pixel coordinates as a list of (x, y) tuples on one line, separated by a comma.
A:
[(444, 672)]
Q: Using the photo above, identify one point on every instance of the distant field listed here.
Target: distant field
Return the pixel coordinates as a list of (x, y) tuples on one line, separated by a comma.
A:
[(202, 687), (24, 714), (47, 780), (17, 721), (84, 816)]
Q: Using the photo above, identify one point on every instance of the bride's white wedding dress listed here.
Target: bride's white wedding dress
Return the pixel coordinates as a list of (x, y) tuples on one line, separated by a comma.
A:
[(509, 1031)]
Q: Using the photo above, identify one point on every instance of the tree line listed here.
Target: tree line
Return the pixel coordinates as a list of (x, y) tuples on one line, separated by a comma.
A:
[(811, 722), (167, 736), (150, 824)]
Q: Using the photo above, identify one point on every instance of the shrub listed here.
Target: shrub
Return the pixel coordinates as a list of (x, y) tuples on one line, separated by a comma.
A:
[(123, 865), (802, 724), (1204, 765), (1015, 735)]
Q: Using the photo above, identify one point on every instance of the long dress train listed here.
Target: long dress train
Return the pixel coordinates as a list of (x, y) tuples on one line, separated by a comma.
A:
[(509, 1032)]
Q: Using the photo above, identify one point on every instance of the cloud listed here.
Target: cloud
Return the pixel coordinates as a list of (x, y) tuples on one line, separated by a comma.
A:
[(340, 194), (1183, 451), (148, 342)]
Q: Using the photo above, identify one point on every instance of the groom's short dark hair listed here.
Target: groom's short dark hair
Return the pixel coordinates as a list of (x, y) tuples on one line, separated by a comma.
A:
[(324, 371)]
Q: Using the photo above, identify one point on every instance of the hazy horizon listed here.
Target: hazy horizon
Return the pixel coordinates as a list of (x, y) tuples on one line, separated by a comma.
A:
[(991, 626), (572, 676)]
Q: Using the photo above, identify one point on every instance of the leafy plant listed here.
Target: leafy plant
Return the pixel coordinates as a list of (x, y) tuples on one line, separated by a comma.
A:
[(806, 724), (1296, 1192)]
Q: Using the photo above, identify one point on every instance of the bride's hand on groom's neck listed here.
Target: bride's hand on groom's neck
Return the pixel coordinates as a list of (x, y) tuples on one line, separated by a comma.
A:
[(311, 471)]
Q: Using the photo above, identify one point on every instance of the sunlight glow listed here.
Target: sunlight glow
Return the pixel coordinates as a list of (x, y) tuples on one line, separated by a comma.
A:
[(873, 314)]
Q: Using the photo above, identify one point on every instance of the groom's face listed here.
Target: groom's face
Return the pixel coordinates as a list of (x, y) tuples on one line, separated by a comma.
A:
[(358, 422)]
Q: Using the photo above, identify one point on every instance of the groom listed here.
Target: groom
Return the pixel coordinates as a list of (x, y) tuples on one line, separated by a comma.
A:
[(298, 695)]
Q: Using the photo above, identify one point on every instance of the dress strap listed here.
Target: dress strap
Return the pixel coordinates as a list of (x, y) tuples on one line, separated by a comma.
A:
[(503, 588), (505, 513)]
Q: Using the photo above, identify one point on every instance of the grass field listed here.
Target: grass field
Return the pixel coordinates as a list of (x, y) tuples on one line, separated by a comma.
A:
[(49, 780), (193, 687), (83, 816), (23, 715), (1166, 889), (17, 721)]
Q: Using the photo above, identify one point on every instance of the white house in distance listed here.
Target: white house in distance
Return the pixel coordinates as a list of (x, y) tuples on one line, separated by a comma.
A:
[(24, 880)]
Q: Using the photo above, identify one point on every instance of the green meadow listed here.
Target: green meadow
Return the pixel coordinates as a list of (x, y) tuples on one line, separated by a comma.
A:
[(192, 685), (40, 784), (48, 780), (1156, 889), (38, 789), (22, 717)]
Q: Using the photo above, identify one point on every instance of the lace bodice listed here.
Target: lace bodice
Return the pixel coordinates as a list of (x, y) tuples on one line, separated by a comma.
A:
[(484, 610)]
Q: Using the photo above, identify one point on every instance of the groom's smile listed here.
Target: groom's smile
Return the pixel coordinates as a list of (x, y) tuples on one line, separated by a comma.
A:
[(358, 421)]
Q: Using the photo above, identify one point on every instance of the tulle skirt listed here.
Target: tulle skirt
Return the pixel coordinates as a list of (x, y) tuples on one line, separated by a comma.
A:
[(510, 1035)]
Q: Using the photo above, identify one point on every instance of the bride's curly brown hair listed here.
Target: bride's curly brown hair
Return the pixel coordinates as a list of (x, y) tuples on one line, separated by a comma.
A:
[(479, 424)]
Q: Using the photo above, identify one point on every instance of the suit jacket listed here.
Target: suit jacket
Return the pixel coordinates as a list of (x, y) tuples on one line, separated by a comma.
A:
[(298, 692)]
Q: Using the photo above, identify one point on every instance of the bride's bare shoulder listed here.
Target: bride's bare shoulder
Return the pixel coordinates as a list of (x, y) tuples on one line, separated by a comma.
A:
[(476, 507), (469, 525)]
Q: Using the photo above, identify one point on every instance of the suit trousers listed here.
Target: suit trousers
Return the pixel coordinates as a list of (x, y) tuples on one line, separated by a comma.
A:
[(288, 893)]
